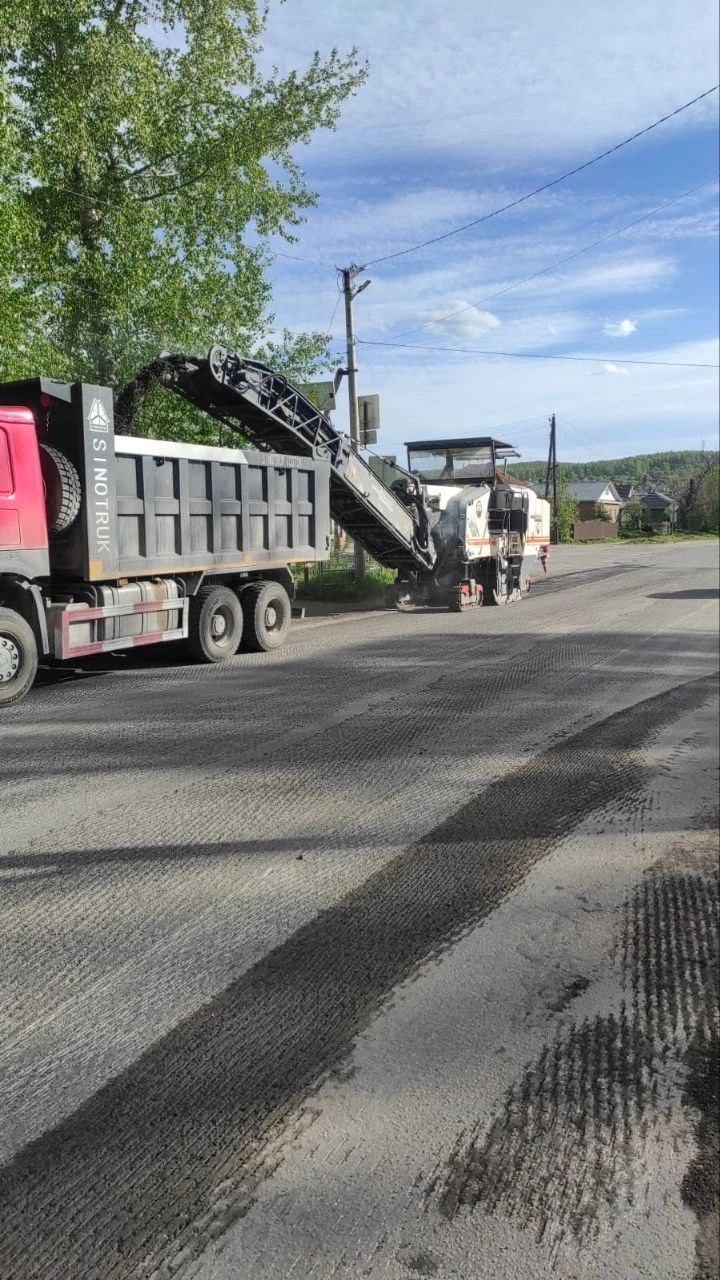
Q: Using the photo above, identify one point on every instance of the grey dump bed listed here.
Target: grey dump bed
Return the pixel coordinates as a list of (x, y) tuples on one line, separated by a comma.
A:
[(189, 507), (159, 507)]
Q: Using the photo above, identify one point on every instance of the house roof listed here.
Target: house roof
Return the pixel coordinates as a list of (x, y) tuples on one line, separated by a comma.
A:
[(625, 490), (594, 491)]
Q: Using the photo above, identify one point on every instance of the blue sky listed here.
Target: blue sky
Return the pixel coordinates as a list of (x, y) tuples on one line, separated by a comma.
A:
[(467, 106)]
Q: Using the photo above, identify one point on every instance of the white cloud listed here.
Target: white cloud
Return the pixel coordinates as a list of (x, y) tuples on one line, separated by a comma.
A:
[(619, 328), (693, 226), (468, 81), (611, 368), (459, 320), (628, 274)]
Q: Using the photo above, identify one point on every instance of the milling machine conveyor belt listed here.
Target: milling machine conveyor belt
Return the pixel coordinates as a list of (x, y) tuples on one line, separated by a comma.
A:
[(249, 397)]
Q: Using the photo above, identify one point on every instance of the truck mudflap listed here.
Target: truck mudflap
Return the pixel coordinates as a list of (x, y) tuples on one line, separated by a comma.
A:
[(74, 625)]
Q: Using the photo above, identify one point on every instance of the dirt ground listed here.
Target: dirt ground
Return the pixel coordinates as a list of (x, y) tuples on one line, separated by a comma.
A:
[(393, 953)]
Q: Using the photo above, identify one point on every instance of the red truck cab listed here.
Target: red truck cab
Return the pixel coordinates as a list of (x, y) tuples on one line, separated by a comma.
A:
[(24, 550), (23, 525)]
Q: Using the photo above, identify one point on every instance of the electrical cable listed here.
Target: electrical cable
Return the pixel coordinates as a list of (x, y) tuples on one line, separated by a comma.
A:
[(470, 306), (537, 355), (500, 426), (574, 427), (334, 312), (512, 204), (295, 257)]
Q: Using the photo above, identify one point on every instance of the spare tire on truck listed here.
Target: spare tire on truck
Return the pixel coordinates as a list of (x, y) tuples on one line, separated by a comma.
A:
[(63, 491)]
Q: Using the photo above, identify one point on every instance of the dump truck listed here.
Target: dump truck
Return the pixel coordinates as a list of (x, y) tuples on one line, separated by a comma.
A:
[(109, 540)]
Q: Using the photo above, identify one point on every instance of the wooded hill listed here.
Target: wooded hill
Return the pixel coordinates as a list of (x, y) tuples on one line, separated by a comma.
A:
[(669, 470)]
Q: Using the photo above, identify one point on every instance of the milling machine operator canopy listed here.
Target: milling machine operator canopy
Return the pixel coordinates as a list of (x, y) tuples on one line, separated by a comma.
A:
[(471, 460)]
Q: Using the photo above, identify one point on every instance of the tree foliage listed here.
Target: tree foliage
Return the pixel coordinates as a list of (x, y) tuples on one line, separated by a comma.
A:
[(700, 508), (602, 513), (567, 510), (669, 470), (634, 515), (144, 160)]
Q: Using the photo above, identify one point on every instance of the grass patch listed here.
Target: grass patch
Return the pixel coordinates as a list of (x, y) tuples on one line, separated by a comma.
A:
[(337, 582)]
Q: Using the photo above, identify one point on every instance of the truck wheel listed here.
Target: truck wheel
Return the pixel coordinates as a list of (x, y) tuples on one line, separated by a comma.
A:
[(18, 657), (63, 491), (215, 624), (267, 611)]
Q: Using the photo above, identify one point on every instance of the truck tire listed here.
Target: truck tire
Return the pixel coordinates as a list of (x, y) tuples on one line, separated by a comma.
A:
[(18, 657), (63, 491), (215, 624), (267, 612)]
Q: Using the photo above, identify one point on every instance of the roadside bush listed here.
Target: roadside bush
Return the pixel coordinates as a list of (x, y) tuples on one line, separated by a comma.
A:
[(335, 580)]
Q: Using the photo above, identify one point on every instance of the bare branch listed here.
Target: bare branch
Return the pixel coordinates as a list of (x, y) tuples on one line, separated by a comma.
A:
[(181, 186)]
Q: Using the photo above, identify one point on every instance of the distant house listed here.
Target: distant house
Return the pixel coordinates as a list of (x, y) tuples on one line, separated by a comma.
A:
[(661, 510), (590, 493), (626, 491)]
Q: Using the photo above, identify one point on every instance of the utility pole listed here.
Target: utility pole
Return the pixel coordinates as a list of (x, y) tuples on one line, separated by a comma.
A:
[(551, 477), (349, 275)]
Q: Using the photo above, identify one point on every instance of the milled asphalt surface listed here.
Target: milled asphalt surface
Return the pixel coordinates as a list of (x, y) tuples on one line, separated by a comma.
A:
[(391, 953)]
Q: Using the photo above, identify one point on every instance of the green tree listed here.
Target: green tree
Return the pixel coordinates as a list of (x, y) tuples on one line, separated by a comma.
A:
[(567, 510), (145, 160), (669, 471), (700, 508), (633, 515), (602, 513)]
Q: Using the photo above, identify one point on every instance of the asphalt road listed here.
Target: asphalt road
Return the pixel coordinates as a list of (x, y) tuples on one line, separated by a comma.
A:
[(393, 953)]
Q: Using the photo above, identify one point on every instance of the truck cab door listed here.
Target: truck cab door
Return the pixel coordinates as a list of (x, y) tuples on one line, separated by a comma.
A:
[(23, 526)]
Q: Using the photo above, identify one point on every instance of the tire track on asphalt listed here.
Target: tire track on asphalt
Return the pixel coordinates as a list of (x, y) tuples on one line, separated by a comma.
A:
[(162, 1159), (568, 1141), (137, 743), (380, 731), (93, 741), (121, 941)]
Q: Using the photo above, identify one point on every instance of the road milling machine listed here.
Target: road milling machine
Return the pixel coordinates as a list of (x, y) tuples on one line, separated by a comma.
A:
[(458, 529)]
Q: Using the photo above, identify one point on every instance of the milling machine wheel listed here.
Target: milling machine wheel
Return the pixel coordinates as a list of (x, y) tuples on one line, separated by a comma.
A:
[(398, 597)]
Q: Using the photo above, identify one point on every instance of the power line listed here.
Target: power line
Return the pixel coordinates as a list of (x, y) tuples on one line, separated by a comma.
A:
[(512, 204), (494, 427), (578, 430), (295, 257), (334, 313), (561, 262), (537, 355)]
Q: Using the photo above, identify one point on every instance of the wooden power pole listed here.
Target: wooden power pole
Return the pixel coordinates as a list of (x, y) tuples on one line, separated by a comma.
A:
[(551, 480), (349, 275)]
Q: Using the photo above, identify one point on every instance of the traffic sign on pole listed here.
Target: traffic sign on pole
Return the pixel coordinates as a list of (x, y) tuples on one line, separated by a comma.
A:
[(321, 394), (369, 415)]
